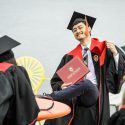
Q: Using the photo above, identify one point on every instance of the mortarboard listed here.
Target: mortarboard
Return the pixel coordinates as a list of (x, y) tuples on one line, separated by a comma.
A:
[(7, 43), (81, 18)]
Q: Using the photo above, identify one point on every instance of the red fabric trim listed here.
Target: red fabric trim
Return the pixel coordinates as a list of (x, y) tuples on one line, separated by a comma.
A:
[(4, 66), (76, 52), (100, 91), (96, 47), (33, 121), (72, 112), (123, 107)]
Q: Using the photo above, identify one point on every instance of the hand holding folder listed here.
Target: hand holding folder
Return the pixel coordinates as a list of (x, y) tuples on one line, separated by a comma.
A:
[(73, 71)]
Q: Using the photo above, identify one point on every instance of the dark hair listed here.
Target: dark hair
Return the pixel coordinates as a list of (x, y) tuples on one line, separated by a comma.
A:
[(78, 20), (8, 57)]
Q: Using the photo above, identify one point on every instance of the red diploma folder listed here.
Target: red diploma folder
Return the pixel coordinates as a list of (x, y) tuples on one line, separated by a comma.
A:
[(73, 71)]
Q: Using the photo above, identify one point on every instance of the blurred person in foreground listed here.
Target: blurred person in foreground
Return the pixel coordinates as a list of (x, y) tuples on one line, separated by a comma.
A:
[(16, 92), (17, 101)]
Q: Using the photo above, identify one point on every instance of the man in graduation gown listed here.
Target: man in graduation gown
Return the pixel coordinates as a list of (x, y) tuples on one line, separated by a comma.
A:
[(17, 102), (106, 67)]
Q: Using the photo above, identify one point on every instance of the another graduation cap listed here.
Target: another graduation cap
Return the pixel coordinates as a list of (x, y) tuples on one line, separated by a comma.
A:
[(78, 17), (7, 43)]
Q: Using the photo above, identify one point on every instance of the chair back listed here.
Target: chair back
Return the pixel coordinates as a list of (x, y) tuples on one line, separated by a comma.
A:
[(35, 71)]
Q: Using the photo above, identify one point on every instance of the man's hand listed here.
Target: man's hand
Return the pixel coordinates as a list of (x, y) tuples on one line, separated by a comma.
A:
[(110, 45), (65, 85)]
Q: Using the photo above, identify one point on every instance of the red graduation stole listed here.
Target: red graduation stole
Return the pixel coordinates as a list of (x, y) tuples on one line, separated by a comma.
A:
[(4, 66), (96, 47)]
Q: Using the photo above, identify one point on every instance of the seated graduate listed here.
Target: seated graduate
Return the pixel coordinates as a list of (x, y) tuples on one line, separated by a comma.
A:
[(106, 69), (17, 102)]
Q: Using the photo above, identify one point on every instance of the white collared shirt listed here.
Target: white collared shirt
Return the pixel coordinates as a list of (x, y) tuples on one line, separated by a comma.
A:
[(91, 75)]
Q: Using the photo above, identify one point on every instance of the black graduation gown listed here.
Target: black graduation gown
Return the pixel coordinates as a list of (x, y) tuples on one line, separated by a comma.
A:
[(110, 82), (17, 103)]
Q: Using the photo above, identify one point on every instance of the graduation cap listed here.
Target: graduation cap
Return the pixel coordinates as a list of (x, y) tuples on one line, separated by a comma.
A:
[(7, 43), (78, 17)]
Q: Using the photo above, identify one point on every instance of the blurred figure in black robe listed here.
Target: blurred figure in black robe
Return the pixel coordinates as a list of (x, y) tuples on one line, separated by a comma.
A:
[(17, 102)]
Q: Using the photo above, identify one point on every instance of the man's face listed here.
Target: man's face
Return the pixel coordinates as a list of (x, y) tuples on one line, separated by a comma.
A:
[(79, 31)]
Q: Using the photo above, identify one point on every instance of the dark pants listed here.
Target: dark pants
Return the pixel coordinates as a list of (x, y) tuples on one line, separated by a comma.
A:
[(85, 90)]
